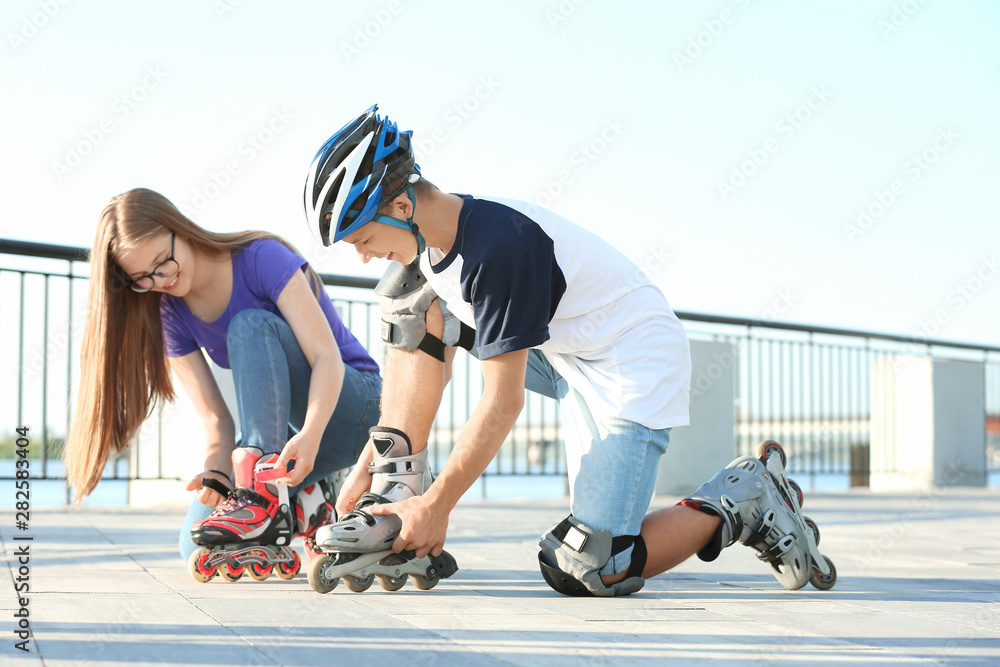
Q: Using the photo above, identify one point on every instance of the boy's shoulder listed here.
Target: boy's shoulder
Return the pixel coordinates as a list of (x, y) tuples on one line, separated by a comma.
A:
[(495, 226)]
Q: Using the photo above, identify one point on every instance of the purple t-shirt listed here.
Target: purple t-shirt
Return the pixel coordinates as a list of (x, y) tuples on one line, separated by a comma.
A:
[(260, 272)]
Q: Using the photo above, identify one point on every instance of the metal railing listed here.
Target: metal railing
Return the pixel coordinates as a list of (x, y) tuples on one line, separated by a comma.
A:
[(41, 349), (813, 389), (809, 387)]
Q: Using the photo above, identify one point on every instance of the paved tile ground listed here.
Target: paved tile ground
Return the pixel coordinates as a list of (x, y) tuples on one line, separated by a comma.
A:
[(919, 584)]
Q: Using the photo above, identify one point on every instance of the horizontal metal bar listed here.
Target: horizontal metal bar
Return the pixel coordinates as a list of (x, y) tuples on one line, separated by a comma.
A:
[(809, 328), (33, 249), (57, 274), (348, 281)]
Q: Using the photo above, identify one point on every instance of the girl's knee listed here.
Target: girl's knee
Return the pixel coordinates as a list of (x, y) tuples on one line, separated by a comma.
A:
[(252, 323)]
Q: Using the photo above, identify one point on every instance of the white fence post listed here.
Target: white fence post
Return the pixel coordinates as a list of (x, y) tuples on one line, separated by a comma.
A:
[(698, 451), (928, 423)]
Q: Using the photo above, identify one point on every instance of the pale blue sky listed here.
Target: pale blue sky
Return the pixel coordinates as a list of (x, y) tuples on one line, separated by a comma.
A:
[(886, 80)]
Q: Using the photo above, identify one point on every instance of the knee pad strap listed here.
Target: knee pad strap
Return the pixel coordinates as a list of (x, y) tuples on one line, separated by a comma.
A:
[(639, 555), (572, 555), (404, 298)]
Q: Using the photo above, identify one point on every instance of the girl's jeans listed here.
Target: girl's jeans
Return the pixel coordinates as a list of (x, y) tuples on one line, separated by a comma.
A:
[(271, 374)]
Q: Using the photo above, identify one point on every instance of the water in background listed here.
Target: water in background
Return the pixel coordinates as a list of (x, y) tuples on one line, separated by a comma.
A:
[(113, 492), (53, 492)]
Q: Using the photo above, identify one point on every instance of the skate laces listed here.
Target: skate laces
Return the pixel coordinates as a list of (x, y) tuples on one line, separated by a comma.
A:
[(367, 500), (238, 499), (226, 505)]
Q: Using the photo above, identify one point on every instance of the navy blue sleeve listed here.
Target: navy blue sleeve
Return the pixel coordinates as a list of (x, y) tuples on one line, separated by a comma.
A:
[(511, 278)]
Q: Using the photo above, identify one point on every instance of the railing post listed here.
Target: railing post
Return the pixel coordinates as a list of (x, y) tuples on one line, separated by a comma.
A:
[(936, 409), (698, 451)]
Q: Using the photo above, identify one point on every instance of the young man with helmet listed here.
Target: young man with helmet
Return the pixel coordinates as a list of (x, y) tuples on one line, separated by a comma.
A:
[(555, 309)]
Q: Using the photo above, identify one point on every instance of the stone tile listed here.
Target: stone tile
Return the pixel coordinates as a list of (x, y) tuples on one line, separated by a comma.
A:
[(919, 583)]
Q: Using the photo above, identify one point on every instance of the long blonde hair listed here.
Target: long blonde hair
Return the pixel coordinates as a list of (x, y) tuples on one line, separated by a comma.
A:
[(124, 372)]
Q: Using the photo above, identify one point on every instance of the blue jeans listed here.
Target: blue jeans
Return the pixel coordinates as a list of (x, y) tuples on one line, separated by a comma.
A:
[(271, 374), (612, 462)]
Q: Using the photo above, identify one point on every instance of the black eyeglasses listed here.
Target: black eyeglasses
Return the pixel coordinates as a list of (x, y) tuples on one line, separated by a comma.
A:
[(164, 269)]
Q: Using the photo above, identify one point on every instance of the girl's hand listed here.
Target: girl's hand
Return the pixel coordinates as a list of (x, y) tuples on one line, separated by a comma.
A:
[(302, 449), (206, 494), (356, 483)]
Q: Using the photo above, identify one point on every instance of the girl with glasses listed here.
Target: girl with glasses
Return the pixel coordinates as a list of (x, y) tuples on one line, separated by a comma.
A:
[(163, 289)]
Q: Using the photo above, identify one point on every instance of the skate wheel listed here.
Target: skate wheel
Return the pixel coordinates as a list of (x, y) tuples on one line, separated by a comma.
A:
[(767, 448), (390, 583), (197, 567), (387, 581), (797, 490), (288, 571), (823, 582), (813, 527), (259, 572), (229, 573), (317, 574), (359, 584), (424, 583)]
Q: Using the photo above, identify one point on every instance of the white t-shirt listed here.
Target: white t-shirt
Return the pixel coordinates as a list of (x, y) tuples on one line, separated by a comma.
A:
[(524, 277)]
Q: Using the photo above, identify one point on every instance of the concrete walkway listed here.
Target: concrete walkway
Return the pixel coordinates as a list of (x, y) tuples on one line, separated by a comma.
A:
[(919, 584)]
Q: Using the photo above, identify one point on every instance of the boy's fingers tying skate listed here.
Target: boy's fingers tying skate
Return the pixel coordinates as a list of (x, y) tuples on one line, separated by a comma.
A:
[(357, 483), (420, 530)]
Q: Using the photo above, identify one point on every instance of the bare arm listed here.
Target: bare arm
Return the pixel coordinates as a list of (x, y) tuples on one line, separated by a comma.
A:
[(300, 309), (487, 428), (412, 387), (220, 430), (425, 518)]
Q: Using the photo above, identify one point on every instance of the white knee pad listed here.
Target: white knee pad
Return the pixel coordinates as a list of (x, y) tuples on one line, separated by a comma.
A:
[(572, 555), (404, 298)]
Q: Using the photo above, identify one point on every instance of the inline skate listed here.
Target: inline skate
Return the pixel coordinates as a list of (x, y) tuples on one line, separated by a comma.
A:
[(761, 508), (358, 547), (251, 532)]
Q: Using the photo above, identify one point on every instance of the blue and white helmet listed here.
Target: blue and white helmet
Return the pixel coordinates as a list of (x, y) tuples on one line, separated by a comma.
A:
[(346, 184)]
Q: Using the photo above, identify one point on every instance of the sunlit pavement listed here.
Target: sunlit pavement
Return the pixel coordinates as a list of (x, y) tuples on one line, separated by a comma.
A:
[(919, 583)]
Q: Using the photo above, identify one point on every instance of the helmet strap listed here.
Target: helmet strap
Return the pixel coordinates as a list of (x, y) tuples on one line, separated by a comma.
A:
[(413, 226), (406, 224)]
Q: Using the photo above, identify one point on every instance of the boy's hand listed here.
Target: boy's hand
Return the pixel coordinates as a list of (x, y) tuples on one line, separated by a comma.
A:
[(425, 526), (357, 482)]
